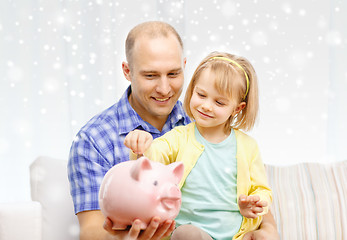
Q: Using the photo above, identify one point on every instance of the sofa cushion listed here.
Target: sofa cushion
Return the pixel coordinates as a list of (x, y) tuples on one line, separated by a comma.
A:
[(310, 200), (20, 220), (50, 187)]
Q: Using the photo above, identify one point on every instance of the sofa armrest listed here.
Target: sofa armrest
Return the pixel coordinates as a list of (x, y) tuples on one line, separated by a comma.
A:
[(310, 200), (50, 187), (21, 220)]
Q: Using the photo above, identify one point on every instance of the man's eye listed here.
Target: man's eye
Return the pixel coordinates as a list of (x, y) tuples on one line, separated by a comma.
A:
[(174, 74), (149, 76)]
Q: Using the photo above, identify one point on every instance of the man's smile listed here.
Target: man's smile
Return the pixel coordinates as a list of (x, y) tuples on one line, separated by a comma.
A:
[(161, 99)]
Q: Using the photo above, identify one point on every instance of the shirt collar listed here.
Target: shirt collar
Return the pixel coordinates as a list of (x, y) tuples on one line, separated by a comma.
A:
[(128, 119), (177, 117)]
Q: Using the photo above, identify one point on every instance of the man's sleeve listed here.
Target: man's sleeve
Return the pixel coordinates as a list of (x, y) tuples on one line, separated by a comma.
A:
[(86, 169)]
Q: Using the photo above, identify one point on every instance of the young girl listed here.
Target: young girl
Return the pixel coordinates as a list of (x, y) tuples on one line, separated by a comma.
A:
[(224, 186)]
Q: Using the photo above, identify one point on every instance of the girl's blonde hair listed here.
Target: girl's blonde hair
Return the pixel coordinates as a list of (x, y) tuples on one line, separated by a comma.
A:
[(230, 81)]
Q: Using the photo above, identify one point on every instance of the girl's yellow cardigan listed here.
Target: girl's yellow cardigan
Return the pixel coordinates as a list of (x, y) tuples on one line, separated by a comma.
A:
[(180, 144)]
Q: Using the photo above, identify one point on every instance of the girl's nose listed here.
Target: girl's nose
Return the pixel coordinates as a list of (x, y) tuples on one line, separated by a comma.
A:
[(207, 106)]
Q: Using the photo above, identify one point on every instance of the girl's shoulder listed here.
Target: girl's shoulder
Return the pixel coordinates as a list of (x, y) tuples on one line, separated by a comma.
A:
[(245, 139), (179, 130), (184, 128)]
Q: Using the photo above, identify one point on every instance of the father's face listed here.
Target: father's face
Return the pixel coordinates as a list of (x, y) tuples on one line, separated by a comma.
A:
[(157, 77)]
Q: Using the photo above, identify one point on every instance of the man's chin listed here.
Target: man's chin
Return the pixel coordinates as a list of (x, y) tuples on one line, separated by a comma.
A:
[(163, 112)]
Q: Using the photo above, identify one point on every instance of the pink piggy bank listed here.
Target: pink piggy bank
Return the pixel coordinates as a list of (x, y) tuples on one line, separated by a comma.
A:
[(141, 189)]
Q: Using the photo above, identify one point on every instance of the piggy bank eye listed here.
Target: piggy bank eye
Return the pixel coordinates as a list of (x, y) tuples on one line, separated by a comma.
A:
[(155, 183)]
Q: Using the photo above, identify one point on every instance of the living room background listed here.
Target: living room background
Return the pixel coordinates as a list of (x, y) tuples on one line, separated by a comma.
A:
[(60, 64)]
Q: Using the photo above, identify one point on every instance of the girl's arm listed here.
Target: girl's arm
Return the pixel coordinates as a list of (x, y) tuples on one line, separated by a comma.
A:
[(259, 183)]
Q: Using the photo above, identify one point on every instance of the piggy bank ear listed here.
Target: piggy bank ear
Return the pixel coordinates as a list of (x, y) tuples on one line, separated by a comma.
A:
[(177, 170), (140, 165)]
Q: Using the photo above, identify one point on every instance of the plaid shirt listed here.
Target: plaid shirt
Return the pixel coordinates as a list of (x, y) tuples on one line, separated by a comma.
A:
[(99, 146)]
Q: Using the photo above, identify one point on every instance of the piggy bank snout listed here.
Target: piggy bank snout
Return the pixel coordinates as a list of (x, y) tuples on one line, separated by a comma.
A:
[(174, 192), (171, 198), (171, 191)]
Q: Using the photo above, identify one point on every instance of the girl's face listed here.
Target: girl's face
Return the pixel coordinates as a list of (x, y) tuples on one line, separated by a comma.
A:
[(209, 108)]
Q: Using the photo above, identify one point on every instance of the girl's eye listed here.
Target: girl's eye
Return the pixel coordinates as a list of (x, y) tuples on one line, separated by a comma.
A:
[(201, 95), (220, 103)]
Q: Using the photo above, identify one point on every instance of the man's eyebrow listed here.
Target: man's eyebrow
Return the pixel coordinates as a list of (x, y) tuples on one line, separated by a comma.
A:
[(146, 72), (176, 70), (153, 71)]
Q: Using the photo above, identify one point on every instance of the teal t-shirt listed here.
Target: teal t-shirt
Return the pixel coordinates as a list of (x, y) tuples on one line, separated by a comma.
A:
[(209, 194)]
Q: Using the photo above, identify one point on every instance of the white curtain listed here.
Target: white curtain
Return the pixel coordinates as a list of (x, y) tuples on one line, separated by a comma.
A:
[(60, 64)]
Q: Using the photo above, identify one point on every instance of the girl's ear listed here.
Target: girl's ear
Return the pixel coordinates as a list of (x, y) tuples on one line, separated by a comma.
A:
[(239, 108)]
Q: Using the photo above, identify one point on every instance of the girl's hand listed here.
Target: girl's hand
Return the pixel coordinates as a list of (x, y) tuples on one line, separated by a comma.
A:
[(138, 141), (251, 206)]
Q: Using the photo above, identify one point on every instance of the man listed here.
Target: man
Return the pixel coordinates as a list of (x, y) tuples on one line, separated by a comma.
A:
[(155, 69)]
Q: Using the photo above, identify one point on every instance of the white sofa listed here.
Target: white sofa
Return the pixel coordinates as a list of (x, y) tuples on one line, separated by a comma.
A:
[(50, 215), (310, 202)]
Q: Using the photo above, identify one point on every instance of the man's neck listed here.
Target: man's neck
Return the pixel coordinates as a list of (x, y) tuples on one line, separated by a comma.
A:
[(156, 121)]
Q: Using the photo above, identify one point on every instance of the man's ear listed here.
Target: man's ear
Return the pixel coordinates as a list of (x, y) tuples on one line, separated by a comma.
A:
[(126, 71), (239, 108)]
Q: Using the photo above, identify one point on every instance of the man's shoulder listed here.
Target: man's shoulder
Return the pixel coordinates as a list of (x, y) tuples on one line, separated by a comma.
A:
[(110, 117), (107, 119)]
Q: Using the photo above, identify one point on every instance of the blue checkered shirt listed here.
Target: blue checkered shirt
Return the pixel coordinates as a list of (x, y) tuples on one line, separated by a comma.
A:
[(99, 145)]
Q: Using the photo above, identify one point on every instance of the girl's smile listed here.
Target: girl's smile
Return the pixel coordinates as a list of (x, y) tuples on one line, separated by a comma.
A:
[(204, 114)]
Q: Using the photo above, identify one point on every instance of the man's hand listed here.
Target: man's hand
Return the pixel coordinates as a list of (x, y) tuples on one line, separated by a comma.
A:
[(93, 226), (251, 206), (266, 231), (263, 233), (138, 141), (154, 231), (257, 235)]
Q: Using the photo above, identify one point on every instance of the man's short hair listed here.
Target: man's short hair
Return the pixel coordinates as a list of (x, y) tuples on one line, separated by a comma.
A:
[(151, 29)]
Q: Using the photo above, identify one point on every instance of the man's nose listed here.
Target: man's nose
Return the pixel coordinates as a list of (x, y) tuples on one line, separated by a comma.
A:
[(163, 86)]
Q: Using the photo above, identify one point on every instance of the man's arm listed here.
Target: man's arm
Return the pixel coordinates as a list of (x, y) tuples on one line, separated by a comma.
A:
[(94, 227), (91, 223), (266, 231)]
